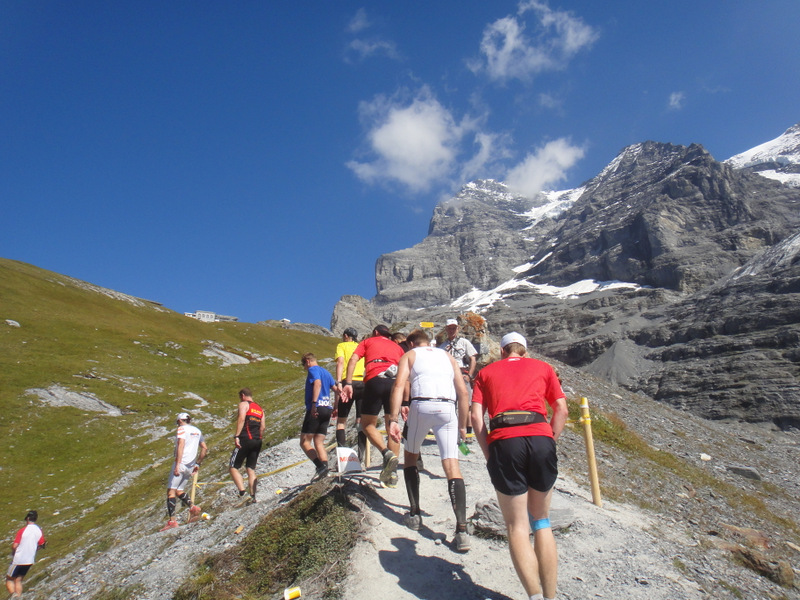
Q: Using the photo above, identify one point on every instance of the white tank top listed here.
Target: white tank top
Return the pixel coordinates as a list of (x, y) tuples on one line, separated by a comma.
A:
[(432, 374)]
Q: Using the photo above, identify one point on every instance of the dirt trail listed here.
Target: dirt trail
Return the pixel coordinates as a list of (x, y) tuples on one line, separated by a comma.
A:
[(614, 551)]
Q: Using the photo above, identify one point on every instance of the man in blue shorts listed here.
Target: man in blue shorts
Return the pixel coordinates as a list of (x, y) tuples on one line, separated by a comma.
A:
[(320, 388), (520, 451)]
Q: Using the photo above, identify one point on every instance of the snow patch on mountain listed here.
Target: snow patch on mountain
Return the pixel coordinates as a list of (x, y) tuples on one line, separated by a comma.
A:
[(777, 159), (480, 300)]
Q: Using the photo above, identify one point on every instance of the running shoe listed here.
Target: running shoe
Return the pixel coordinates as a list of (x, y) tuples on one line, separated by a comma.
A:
[(171, 524), (321, 472), (389, 468), (462, 541), (195, 510), (413, 522), (392, 483)]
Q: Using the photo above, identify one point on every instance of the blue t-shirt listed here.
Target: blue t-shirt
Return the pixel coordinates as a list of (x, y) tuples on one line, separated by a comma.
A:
[(324, 401)]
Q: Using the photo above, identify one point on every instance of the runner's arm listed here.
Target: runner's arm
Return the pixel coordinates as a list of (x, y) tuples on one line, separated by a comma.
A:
[(479, 424), (398, 392), (243, 405), (559, 417), (462, 398), (472, 363), (315, 396), (347, 390), (340, 368), (178, 456), (203, 452)]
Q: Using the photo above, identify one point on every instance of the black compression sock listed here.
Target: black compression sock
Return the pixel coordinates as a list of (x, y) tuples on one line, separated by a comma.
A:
[(171, 502), (184, 498), (411, 475), (341, 438), (458, 499), (318, 463)]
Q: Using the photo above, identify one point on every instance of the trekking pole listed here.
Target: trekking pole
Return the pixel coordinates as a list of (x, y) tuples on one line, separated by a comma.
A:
[(587, 436)]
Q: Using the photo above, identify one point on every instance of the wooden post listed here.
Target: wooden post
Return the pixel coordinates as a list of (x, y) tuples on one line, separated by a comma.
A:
[(366, 455), (194, 487), (587, 436)]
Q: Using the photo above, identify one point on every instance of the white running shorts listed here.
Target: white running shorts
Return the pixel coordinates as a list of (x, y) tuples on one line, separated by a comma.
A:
[(441, 417)]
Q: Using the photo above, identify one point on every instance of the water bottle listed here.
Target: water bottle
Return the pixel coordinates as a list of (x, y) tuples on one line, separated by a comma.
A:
[(463, 447)]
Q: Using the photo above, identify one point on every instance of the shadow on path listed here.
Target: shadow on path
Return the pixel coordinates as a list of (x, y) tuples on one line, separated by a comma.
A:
[(431, 577)]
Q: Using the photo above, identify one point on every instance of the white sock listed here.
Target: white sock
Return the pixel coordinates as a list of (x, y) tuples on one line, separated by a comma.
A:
[(536, 597)]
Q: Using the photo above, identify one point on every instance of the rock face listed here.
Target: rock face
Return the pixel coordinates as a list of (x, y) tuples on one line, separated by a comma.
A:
[(669, 272)]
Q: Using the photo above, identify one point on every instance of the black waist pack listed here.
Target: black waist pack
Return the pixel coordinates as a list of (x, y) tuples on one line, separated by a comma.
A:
[(510, 418)]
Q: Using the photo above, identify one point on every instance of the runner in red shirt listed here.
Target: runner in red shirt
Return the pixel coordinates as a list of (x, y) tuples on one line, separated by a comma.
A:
[(381, 356), (521, 456), (250, 425)]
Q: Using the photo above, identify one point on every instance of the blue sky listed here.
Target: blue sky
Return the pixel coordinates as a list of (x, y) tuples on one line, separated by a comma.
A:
[(255, 158)]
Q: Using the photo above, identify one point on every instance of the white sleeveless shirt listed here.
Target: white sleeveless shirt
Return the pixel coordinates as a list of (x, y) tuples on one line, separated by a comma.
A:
[(432, 374)]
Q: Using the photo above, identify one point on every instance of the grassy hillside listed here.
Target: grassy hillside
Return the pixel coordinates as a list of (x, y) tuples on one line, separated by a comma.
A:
[(141, 358)]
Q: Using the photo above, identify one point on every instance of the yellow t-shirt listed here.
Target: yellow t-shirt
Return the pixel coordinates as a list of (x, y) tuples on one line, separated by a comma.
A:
[(345, 350)]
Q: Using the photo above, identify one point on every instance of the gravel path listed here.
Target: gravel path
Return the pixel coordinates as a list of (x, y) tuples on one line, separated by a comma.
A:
[(617, 551)]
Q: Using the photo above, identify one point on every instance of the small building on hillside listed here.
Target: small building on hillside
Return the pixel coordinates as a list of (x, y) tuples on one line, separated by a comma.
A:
[(209, 317)]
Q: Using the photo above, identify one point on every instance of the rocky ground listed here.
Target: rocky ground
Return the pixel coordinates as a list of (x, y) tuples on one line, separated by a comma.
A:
[(680, 540)]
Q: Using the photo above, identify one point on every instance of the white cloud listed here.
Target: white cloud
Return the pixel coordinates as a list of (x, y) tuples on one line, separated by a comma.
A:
[(676, 100), (359, 22), (510, 54), (415, 144), (550, 101), (371, 47), (365, 47), (547, 166)]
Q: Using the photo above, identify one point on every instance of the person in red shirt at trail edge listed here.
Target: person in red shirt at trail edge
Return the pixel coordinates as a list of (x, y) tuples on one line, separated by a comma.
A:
[(520, 450), (26, 542), (381, 356)]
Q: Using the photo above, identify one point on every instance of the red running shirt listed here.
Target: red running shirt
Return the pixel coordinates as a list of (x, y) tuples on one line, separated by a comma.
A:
[(517, 383), (383, 349)]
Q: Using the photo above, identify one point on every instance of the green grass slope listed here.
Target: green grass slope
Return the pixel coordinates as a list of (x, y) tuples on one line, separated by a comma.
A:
[(74, 465)]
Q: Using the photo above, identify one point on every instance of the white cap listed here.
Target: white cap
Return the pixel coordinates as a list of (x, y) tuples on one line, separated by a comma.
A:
[(513, 337), (452, 322), (183, 416)]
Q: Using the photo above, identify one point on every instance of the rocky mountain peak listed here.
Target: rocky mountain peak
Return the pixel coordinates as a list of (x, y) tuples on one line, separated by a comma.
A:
[(777, 159), (664, 272)]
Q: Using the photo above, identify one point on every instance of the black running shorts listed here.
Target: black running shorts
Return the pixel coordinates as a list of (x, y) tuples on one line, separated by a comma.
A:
[(516, 464), (15, 571), (377, 396), (358, 397), (247, 454), (317, 425)]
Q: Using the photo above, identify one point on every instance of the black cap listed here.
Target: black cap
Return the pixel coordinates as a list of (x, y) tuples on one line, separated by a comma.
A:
[(32, 515)]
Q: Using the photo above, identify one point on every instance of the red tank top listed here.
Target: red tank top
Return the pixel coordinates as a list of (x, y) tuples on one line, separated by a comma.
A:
[(252, 422)]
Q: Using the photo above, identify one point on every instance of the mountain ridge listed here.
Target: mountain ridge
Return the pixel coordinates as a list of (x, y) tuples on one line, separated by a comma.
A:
[(598, 269)]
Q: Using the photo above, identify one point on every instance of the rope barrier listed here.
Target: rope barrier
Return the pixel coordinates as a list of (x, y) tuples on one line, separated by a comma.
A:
[(276, 471)]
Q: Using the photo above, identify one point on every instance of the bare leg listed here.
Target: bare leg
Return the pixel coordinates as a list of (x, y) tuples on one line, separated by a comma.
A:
[(237, 479), (515, 514), (307, 444), (369, 427), (251, 481), (544, 543), (319, 446)]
